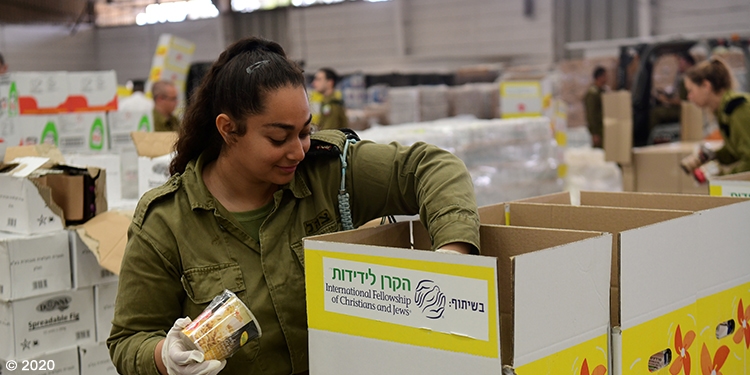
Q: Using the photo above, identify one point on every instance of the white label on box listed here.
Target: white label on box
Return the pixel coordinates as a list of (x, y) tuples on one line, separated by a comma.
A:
[(438, 302)]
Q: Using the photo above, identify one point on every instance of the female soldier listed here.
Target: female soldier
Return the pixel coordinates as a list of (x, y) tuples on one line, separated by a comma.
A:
[(709, 85), (244, 192)]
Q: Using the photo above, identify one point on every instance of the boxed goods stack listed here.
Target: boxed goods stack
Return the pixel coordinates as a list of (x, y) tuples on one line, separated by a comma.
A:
[(478, 99), (417, 103), (48, 276), (575, 79), (508, 159)]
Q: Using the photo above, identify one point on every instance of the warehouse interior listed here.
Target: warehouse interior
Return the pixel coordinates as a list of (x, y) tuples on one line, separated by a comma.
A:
[(583, 151)]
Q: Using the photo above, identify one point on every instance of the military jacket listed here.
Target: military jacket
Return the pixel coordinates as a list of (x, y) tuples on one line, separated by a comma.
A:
[(332, 114), (733, 116), (594, 113)]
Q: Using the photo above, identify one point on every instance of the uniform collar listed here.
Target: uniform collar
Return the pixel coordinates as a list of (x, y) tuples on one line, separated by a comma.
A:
[(200, 198)]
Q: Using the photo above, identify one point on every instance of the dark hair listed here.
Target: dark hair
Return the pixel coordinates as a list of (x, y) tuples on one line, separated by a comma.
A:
[(687, 57), (714, 71), (599, 71), (2, 60), (331, 75), (237, 85)]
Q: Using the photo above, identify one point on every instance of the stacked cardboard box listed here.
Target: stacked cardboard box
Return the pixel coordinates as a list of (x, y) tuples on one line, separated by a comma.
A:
[(575, 78), (416, 311), (55, 298), (670, 307)]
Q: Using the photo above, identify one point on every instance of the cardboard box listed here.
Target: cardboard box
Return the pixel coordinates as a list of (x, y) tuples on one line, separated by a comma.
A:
[(94, 91), (109, 163), (672, 295), (573, 267), (733, 185), (83, 132), (691, 122), (41, 194), (155, 152), (410, 311), (36, 129), (32, 265), (628, 178), (106, 236), (121, 123), (657, 169), (85, 264), (104, 303), (57, 362), (29, 93), (95, 360), (618, 140), (41, 324), (617, 107), (524, 258)]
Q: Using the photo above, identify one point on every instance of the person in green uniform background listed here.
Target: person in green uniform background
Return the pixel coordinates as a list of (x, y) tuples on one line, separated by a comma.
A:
[(593, 102), (165, 102), (249, 181), (669, 104), (332, 111), (709, 85)]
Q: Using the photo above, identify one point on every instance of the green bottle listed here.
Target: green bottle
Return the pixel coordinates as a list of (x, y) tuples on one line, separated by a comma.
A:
[(49, 134), (13, 100), (96, 136), (144, 125)]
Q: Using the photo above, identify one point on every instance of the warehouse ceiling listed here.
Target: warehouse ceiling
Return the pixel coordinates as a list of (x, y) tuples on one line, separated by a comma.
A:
[(42, 11), (64, 11)]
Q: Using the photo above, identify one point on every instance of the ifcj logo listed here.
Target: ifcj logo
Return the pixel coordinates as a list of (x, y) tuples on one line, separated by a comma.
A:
[(430, 299)]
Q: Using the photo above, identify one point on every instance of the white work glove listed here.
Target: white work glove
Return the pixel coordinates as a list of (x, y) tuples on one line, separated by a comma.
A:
[(696, 159), (179, 360)]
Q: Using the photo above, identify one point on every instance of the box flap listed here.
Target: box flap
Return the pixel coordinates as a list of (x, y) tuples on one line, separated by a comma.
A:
[(659, 201), (505, 243), (47, 151), (106, 235), (22, 167), (153, 144), (604, 219)]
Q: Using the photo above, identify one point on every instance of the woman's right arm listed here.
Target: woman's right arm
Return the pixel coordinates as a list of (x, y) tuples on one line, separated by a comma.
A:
[(149, 300)]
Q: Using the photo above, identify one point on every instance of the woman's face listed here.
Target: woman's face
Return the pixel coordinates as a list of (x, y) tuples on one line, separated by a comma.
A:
[(698, 94), (276, 141)]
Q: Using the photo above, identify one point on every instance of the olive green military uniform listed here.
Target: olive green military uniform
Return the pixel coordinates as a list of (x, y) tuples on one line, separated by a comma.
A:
[(184, 247), (594, 113), (165, 123), (734, 123), (332, 114)]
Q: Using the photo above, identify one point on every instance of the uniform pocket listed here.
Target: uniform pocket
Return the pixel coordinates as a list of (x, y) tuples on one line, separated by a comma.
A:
[(202, 284)]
